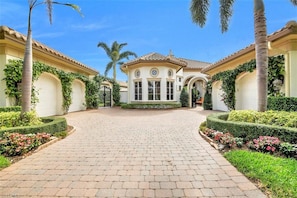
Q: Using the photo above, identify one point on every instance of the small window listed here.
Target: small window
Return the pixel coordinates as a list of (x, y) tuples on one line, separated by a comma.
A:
[(179, 79), (154, 72), (137, 73), (170, 73)]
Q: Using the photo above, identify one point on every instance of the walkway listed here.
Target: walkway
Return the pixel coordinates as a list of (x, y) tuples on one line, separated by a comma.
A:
[(128, 153)]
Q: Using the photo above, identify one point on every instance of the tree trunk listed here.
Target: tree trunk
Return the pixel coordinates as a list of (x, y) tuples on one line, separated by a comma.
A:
[(114, 67), (27, 72), (261, 53)]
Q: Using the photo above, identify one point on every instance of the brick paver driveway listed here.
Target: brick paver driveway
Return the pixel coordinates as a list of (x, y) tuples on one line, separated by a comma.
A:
[(128, 153)]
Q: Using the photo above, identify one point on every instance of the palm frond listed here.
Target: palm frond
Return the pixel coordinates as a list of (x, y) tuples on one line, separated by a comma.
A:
[(294, 2), (199, 10), (49, 5), (108, 67), (75, 7), (225, 13), (126, 54), (122, 45), (105, 48)]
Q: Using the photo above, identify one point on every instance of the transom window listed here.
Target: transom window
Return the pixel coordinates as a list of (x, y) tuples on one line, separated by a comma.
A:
[(169, 88), (138, 90), (154, 91)]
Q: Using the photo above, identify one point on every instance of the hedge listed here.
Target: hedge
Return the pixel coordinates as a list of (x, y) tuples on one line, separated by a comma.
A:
[(9, 109), (282, 103), (50, 125), (151, 106), (250, 131)]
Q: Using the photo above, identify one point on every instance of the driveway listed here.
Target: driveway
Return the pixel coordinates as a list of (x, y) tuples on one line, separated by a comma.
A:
[(128, 153)]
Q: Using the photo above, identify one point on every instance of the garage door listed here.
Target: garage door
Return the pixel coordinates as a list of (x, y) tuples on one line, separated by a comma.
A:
[(49, 95), (77, 96), (217, 102), (246, 92)]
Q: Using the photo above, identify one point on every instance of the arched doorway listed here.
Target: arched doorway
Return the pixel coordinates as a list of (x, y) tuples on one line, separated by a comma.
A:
[(196, 88)]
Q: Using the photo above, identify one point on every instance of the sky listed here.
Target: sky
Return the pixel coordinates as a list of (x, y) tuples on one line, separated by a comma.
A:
[(145, 25)]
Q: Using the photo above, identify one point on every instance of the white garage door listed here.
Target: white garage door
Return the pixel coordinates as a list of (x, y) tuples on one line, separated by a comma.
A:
[(246, 92), (49, 95), (77, 96), (217, 103)]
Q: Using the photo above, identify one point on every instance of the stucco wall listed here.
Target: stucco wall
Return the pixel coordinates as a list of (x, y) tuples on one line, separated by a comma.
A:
[(145, 76)]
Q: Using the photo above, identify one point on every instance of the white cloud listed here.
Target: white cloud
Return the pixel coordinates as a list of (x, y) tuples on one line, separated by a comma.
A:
[(89, 27), (49, 35)]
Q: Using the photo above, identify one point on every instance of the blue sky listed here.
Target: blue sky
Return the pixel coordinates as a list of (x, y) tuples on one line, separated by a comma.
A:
[(146, 25)]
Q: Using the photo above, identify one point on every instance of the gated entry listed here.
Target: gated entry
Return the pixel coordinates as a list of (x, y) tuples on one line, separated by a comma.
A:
[(105, 96)]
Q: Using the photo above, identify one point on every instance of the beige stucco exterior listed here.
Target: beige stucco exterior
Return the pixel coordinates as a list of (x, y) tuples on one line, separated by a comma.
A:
[(282, 42), (172, 73), (12, 46)]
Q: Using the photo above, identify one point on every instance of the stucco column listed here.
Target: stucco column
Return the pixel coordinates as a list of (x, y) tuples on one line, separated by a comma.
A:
[(2, 82), (291, 69)]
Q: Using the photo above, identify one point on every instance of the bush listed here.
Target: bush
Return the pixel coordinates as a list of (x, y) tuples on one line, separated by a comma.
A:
[(167, 105), (278, 118), (9, 109), (282, 103), (250, 131), (13, 119), (289, 150), (50, 125), (13, 144), (207, 102), (184, 98)]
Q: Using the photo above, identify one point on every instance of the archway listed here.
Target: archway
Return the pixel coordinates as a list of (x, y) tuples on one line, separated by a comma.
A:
[(196, 88)]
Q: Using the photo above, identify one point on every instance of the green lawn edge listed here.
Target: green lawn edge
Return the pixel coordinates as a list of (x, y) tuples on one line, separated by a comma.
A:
[(277, 175), (4, 162)]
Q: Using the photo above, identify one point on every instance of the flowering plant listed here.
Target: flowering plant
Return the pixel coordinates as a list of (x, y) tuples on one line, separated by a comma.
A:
[(13, 144), (264, 144), (225, 138)]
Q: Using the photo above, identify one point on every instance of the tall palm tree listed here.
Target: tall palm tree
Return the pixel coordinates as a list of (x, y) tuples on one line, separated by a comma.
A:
[(27, 65), (199, 9), (115, 55)]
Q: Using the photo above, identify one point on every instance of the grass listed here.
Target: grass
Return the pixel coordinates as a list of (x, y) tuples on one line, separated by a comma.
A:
[(4, 162), (278, 176)]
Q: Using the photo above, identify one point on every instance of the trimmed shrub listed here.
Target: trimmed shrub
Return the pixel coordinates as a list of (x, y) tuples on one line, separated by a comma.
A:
[(50, 125), (282, 103), (151, 106), (184, 98), (207, 102), (13, 119), (277, 118), (250, 131), (9, 109)]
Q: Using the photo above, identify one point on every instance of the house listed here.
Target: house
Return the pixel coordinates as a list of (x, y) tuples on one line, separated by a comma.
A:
[(155, 78), (282, 42), (12, 46)]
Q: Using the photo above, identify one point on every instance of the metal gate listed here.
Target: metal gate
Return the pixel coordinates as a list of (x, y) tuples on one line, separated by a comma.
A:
[(105, 96)]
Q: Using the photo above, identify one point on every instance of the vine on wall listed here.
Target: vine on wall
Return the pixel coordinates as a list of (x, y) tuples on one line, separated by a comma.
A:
[(13, 78), (275, 71)]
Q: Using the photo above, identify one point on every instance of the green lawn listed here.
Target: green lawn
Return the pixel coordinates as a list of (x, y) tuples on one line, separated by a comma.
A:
[(277, 175), (4, 162)]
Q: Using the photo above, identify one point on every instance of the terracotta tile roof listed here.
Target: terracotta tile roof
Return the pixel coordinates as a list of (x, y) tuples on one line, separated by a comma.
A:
[(155, 57), (291, 27), (193, 64), (4, 30)]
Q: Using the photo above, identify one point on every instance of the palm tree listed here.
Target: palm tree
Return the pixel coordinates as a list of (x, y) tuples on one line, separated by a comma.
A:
[(199, 9), (27, 65), (115, 55)]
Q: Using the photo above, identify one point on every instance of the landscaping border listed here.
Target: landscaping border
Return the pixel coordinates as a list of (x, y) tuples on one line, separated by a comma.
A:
[(51, 125), (250, 131), (151, 105)]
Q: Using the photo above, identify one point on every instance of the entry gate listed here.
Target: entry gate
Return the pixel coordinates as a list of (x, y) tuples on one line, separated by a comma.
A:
[(105, 96)]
